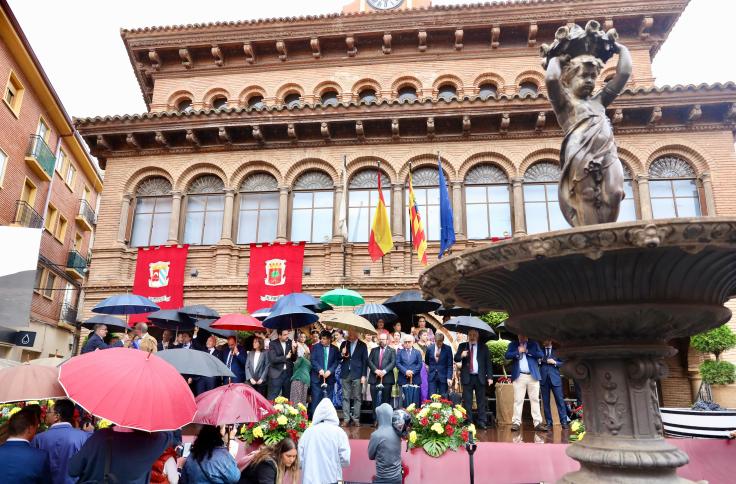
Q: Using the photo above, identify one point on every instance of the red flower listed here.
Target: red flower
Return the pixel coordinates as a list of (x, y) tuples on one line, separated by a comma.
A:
[(436, 416), (304, 414), (424, 422), (251, 425), (302, 425), (273, 424), (464, 435), (449, 430), (452, 420)]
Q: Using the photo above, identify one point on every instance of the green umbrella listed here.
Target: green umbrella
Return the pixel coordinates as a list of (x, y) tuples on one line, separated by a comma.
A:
[(342, 297)]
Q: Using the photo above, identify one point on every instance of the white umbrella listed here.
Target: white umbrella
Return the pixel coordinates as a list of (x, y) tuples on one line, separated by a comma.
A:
[(347, 321)]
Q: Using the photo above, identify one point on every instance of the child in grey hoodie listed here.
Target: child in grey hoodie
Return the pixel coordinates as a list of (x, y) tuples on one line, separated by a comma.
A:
[(385, 448)]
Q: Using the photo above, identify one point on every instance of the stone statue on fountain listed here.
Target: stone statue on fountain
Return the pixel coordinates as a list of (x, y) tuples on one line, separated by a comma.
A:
[(591, 186)]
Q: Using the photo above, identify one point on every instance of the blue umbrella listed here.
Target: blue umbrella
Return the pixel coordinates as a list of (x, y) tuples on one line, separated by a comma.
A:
[(261, 314), (125, 304), (373, 312), (301, 299), (289, 317), (112, 323)]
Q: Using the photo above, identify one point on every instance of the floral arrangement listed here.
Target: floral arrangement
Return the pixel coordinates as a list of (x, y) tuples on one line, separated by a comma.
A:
[(438, 425), (284, 420), (9, 409), (577, 427)]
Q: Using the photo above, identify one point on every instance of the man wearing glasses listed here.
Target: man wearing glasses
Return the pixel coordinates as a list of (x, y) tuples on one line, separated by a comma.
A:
[(96, 340)]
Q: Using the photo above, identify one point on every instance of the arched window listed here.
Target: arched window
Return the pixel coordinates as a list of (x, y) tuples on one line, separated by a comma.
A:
[(447, 92), (407, 93), (219, 102), (627, 211), (259, 209), (311, 207), (426, 183), (152, 212), (205, 211), (672, 188), (362, 202), (184, 105), (256, 102), (487, 203), (367, 95), (528, 88), (293, 100), (329, 98), (487, 91), (541, 203)]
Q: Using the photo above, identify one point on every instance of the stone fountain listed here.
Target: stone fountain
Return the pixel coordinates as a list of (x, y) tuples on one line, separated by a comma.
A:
[(612, 294)]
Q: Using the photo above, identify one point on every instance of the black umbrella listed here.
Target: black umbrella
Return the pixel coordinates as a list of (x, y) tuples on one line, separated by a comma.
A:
[(199, 363), (205, 326), (373, 312), (171, 319), (200, 311), (408, 303), (411, 393), (454, 311), (113, 324), (463, 324)]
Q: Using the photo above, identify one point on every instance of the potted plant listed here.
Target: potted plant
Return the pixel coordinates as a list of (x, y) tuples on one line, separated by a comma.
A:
[(706, 418), (284, 420), (438, 425), (504, 389)]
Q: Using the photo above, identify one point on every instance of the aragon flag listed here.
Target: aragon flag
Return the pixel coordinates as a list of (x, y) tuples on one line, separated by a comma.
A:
[(419, 239), (380, 242)]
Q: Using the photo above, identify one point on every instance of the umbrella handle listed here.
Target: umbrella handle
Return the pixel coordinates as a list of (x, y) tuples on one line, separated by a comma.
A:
[(410, 379)]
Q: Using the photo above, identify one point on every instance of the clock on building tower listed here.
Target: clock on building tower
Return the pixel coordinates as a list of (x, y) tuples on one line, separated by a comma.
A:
[(385, 4)]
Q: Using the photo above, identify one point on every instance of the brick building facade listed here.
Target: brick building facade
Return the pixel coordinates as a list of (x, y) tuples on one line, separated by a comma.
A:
[(249, 122), (49, 181)]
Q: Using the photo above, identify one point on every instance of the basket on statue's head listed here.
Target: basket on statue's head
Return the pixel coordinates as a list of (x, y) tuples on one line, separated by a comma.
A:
[(573, 41)]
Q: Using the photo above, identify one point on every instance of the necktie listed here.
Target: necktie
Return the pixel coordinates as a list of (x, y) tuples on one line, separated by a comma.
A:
[(472, 366), (230, 359), (437, 354), (549, 351), (327, 355), (380, 359)]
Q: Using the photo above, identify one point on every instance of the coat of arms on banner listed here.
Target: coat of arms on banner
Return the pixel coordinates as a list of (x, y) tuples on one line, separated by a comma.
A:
[(158, 274), (275, 272)]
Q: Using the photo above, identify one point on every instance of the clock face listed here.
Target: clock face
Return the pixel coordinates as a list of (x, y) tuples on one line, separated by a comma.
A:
[(385, 4)]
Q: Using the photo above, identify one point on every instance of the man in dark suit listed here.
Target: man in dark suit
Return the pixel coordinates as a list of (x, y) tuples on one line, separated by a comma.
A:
[(475, 373), (167, 340), (96, 340), (525, 355), (352, 370), (21, 463), (381, 362), (439, 361), (325, 358), (207, 383), (234, 358), (409, 362), (550, 380), (281, 359)]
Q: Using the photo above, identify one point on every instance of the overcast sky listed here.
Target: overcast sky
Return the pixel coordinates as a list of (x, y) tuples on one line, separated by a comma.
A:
[(79, 45)]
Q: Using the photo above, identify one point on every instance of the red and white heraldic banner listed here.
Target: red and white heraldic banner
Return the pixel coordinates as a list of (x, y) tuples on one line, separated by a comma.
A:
[(159, 276), (275, 271)]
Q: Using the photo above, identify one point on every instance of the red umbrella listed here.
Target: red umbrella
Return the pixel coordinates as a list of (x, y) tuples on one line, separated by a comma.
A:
[(130, 388), (30, 382), (238, 322), (231, 404)]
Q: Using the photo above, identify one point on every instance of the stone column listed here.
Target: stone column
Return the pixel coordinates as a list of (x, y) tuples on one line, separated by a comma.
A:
[(710, 202), (645, 201), (458, 209), (227, 222), (281, 235), (518, 201), (175, 216), (336, 236), (124, 215), (397, 210)]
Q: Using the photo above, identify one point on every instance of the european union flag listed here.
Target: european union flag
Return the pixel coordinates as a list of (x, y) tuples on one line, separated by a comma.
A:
[(447, 227)]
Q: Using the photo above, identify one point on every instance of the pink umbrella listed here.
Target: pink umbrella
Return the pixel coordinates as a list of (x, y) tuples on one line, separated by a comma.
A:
[(238, 322), (30, 382), (130, 388), (231, 404)]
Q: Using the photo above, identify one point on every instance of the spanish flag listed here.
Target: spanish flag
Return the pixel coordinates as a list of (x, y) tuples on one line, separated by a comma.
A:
[(419, 240), (380, 242)]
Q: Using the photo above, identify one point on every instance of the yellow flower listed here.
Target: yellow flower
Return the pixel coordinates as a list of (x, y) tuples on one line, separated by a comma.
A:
[(435, 405), (301, 407), (50, 403), (258, 432), (471, 428), (32, 402), (103, 424), (575, 426), (293, 411), (460, 407), (281, 400), (437, 427), (435, 397), (279, 407), (581, 435), (13, 411), (423, 412), (411, 407), (282, 420), (458, 414), (412, 436)]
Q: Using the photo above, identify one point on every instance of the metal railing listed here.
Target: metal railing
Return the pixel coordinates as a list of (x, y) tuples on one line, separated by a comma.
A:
[(87, 212), (40, 151), (25, 216), (77, 262), (68, 313)]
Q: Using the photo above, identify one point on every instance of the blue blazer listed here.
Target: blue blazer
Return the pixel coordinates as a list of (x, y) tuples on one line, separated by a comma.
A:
[(355, 366), (533, 352), (237, 365), (441, 369), (409, 360), (61, 441), (96, 343), (551, 373), (22, 464), (318, 363)]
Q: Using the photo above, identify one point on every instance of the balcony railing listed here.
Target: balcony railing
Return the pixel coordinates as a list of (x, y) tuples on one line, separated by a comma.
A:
[(76, 265), (86, 215), (25, 216), (68, 313), (40, 152)]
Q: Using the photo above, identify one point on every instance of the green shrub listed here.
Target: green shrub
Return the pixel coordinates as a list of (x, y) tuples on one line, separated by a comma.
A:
[(497, 348), (715, 341), (718, 372), (494, 318)]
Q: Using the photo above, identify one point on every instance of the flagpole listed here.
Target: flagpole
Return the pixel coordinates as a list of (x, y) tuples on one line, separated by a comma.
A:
[(344, 202), (383, 266), (411, 235)]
